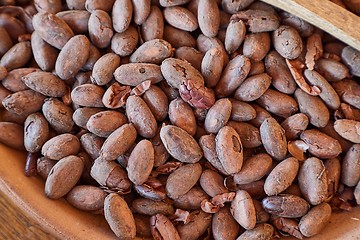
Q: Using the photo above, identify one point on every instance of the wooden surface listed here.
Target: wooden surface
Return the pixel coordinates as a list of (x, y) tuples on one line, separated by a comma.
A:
[(327, 16), (15, 224)]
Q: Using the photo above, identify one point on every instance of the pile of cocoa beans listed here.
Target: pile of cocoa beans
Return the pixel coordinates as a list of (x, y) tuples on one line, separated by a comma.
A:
[(183, 119)]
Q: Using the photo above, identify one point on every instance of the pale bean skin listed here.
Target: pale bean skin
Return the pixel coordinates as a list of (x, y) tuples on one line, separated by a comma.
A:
[(141, 162), (114, 120), (44, 54), (208, 146), (182, 180), (52, 29), (327, 94), (61, 146), (235, 35), (104, 68), (181, 115), (253, 87), (195, 228), (63, 176), (180, 18), (254, 169), (212, 183), (261, 231), (100, 28), (294, 125), (118, 142), (80, 95), (218, 115), (124, 44), (58, 115), (348, 129), (205, 43), (18, 103), (36, 132), (313, 107), (287, 42), (72, 57), (208, 17), (320, 144), (229, 150), (315, 220), (278, 103), (233, 75), (249, 135), (281, 177), (122, 12), (87, 197), (153, 51), (241, 111), (350, 171), (313, 181), (224, 225), (157, 101), (119, 217), (256, 45), (273, 138), (243, 210), (141, 10), (286, 205), (181, 145), (133, 74), (212, 66), (45, 83), (276, 67), (141, 116), (153, 26)]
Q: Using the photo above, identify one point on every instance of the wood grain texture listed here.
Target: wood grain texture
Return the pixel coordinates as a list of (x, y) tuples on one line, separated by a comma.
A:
[(15, 224), (325, 15)]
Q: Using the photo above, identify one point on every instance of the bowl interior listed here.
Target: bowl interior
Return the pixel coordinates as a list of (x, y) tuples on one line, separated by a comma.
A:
[(65, 222)]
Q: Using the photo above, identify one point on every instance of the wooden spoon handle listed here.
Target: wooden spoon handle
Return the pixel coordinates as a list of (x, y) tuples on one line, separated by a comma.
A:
[(325, 15)]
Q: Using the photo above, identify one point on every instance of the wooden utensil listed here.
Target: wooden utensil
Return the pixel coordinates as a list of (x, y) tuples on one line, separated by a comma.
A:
[(325, 15)]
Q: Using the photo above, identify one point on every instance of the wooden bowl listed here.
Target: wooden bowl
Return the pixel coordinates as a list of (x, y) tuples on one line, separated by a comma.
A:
[(65, 222)]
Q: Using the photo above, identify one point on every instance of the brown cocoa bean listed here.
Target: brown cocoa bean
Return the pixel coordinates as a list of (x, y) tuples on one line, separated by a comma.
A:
[(181, 145), (36, 132), (63, 176), (312, 179), (315, 220), (286, 205), (253, 169), (273, 138), (243, 210), (118, 142), (229, 149), (281, 176), (141, 162), (119, 217), (182, 180), (52, 29), (87, 198)]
